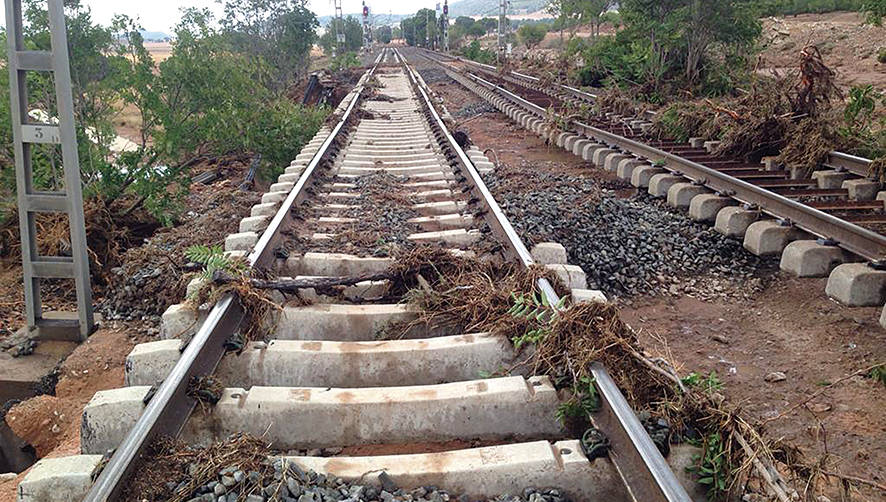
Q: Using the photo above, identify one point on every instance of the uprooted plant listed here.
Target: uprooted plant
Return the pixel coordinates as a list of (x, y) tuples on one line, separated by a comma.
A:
[(256, 303), (503, 299)]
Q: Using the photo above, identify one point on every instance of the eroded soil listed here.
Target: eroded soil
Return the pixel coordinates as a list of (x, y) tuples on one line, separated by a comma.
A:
[(790, 327)]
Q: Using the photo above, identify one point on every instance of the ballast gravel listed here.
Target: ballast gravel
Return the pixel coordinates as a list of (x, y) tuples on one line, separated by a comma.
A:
[(291, 484), (628, 243)]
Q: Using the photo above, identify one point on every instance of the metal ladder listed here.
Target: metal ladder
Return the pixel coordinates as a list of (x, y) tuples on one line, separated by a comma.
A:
[(31, 201)]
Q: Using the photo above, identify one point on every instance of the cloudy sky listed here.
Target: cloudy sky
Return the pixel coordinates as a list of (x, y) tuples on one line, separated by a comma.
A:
[(162, 15)]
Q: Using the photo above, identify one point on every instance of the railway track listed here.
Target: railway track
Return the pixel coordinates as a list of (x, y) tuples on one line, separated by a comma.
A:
[(828, 225), (323, 382)]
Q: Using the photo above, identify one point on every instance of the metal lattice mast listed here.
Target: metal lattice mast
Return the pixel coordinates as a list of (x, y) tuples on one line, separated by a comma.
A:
[(502, 20), (367, 31), (31, 201), (339, 30), (445, 23)]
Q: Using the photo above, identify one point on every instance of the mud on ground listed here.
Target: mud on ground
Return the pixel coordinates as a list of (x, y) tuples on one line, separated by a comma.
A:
[(788, 326)]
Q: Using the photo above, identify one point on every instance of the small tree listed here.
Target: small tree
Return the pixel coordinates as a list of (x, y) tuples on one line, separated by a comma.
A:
[(384, 34), (531, 34), (875, 11)]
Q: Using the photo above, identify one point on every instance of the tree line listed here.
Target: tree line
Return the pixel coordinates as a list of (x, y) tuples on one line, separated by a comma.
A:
[(223, 90)]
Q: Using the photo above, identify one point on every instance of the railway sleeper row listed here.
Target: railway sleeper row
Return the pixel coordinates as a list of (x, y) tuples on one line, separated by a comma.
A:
[(851, 280), (324, 380)]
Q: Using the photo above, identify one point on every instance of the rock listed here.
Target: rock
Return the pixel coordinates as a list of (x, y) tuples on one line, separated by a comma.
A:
[(776, 376), (7, 476), (386, 482), (720, 339), (819, 407)]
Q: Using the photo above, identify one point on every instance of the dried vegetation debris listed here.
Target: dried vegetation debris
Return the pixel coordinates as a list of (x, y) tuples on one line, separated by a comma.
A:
[(380, 212), (481, 296), (152, 275), (795, 118)]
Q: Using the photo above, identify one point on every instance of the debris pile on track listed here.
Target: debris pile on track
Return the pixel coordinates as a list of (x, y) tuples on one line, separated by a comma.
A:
[(242, 468), (381, 225), (151, 277), (796, 118), (481, 296), (627, 246)]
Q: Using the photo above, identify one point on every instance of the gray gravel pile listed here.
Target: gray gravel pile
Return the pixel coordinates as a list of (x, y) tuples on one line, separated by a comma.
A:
[(291, 484), (433, 74), (627, 246), (474, 109)]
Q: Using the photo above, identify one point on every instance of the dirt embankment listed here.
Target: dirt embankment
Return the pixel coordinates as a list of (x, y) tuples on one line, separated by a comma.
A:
[(789, 327), (847, 45)]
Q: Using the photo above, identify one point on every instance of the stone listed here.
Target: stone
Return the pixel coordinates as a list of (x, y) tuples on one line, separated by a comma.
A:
[(547, 253), (769, 237), (59, 479), (600, 155), (830, 178), (178, 320), (243, 241), (883, 317), (642, 174), (661, 183), (254, 223), (861, 189), (857, 285), (705, 207), (696, 142), (571, 275), (808, 258), (612, 161), (734, 221), (626, 167), (776, 376), (580, 145), (587, 295), (680, 195)]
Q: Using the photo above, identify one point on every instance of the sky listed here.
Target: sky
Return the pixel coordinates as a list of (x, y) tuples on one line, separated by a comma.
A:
[(162, 15)]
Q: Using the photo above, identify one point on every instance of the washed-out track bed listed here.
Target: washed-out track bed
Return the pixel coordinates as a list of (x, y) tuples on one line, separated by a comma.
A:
[(324, 381), (828, 224)]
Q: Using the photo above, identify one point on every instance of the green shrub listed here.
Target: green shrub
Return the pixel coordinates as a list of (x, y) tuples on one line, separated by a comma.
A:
[(475, 53), (881, 57), (344, 61), (211, 97)]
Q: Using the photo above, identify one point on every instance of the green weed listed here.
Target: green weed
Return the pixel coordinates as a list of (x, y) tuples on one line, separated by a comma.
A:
[(584, 401)]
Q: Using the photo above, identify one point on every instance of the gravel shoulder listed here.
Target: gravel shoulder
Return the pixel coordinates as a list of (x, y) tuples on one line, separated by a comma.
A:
[(716, 308)]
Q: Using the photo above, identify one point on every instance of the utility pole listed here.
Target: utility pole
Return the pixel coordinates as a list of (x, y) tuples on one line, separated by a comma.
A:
[(26, 133), (502, 20), (367, 31), (338, 30), (428, 29), (445, 25)]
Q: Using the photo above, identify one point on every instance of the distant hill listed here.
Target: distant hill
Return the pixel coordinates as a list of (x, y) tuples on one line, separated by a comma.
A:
[(378, 19), (475, 8), (490, 9), (155, 36)]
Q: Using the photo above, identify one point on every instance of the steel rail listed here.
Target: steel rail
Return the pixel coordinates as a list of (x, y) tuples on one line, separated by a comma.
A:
[(640, 464), (836, 160), (858, 166), (168, 410), (861, 241), (493, 70)]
